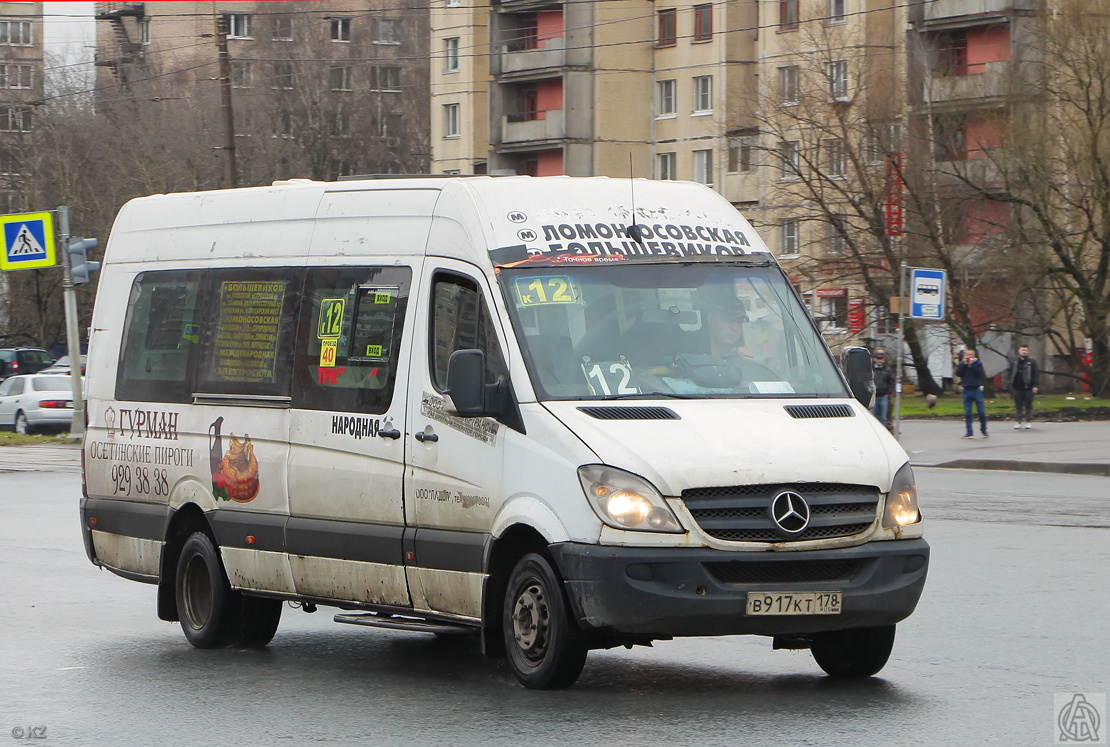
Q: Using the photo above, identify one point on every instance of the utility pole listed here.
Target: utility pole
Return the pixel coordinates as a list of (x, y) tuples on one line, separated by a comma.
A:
[(225, 91), (73, 331)]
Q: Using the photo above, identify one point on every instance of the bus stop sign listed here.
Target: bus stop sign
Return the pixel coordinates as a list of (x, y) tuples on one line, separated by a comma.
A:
[(28, 241), (927, 294)]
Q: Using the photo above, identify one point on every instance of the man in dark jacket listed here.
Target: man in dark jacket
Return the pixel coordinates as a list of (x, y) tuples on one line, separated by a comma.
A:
[(1024, 383), (884, 387), (972, 377)]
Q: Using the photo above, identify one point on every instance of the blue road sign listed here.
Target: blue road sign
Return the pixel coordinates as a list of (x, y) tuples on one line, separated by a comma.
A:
[(28, 241), (928, 292)]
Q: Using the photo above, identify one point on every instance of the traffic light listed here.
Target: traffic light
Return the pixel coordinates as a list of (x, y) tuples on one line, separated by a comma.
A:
[(79, 265)]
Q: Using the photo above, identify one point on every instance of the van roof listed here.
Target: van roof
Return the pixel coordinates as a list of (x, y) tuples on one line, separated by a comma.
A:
[(508, 219)]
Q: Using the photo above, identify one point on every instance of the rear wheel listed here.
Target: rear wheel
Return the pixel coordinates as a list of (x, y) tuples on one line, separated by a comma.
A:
[(853, 653), (206, 604), (544, 646), (258, 621), (22, 427)]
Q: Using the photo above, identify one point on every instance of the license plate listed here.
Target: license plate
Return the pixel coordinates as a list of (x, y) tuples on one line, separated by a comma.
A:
[(794, 603)]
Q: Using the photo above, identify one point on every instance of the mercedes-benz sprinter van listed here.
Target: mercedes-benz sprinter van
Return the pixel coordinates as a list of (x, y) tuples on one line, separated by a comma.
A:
[(559, 413)]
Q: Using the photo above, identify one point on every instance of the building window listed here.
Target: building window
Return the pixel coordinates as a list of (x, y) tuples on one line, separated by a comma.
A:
[(340, 77), (451, 120), (242, 74), (11, 202), (838, 11), (790, 245), (144, 31), (790, 159), (283, 28), (15, 76), (341, 125), (283, 125), (836, 242), (703, 22), (15, 33), (385, 79), (834, 307), (665, 166), (703, 94), (15, 118), (742, 154), (238, 25), (837, 73), (884, 139), (952, 53), (283, 74), (836, 158), (341, 29), (451, 54), (668, 28), (788, 14), (703, 167), (666, 104), (340, 167), (9, 164), (388, 31), (788, 85), (453, 3)]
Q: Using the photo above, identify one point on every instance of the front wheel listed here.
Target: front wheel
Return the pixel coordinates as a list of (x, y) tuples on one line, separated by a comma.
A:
[(853, 653), (543, 643)]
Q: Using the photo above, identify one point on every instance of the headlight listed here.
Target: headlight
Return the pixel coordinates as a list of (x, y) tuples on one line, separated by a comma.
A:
[(901, 502), (624, 501)]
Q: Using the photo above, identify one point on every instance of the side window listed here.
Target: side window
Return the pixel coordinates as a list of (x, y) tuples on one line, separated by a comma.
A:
[(247, 334), (349, 338), (17, 387), (160, 337), (6, 387), (461, 321)]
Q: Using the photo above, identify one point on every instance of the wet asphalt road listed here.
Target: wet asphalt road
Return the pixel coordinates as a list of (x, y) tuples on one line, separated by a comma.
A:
[(1015, 610)]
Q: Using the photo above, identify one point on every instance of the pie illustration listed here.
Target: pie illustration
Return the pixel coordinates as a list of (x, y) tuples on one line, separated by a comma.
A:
[(240, 470)]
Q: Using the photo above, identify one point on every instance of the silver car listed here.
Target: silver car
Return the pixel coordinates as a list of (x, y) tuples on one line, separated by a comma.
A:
[(36, 401)]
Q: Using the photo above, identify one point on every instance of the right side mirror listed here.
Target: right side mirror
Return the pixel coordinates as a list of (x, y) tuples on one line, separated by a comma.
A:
[(857, 368)]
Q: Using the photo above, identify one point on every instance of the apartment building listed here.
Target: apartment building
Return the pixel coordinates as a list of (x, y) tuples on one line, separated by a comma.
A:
[(21, 84), (319, 90)]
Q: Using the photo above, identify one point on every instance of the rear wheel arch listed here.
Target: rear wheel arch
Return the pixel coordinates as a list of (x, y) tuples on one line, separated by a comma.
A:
[(184, 522)]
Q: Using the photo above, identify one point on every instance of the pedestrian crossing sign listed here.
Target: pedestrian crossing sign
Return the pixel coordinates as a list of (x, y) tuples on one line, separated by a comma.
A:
[(28, 241)]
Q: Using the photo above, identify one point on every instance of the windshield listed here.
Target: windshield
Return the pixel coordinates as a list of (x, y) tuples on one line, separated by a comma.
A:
[(674, 330)]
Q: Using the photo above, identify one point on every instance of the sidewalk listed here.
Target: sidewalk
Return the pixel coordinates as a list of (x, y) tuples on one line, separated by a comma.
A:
[(1075, 448)]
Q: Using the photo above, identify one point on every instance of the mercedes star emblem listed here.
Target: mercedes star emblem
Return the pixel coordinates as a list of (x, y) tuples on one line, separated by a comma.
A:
[(790, 512)]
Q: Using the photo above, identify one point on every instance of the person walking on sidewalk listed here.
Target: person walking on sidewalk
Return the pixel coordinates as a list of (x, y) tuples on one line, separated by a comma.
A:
[(884, 387), (1024, 383), (972, 377)]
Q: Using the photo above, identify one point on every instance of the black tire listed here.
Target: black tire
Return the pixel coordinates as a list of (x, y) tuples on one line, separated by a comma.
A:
[(544, 645), (207, 607), (22, 427), (258, 621), (853, 653)]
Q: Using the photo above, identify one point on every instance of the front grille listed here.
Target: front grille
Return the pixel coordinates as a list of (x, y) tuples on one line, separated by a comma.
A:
[(743, 513), (783, 572)]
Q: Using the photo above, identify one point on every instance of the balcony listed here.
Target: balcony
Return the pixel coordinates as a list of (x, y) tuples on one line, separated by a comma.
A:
[(978, 171), (516, 128), (944, 12), (515, 59), (994, 82)]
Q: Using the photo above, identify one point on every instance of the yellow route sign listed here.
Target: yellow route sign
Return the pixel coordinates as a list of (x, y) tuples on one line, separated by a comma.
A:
[(28, 241)]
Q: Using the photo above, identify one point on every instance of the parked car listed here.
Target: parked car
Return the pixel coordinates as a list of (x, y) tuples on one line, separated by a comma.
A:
[(62, 366), (38, 401), (15, 361)]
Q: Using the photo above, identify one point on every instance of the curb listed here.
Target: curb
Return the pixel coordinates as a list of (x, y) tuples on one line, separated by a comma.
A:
[(1013, 465)]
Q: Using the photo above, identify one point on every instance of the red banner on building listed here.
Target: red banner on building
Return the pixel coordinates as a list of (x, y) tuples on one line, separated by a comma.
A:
[(856, 315)]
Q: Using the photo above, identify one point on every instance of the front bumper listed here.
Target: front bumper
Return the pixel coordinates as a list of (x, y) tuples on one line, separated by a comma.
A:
[(664, 592)]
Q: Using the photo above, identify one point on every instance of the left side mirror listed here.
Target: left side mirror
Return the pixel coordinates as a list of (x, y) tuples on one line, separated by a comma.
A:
[(856, 365)]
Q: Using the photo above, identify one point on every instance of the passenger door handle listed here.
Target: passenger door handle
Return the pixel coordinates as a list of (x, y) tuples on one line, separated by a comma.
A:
[(391, 433), (427, 435)]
